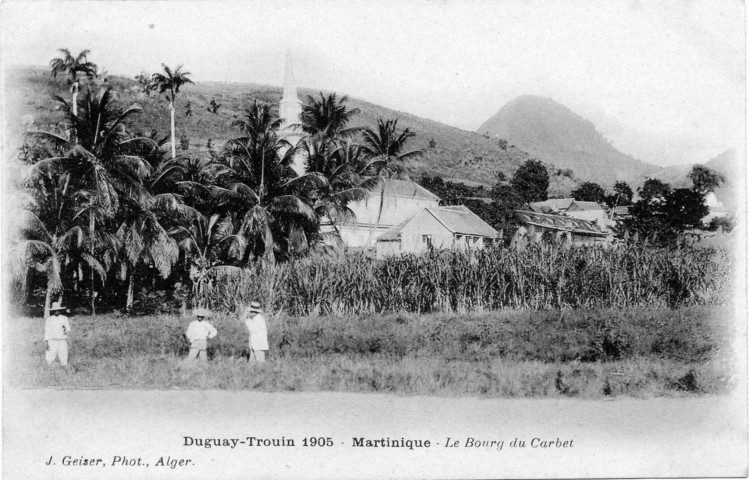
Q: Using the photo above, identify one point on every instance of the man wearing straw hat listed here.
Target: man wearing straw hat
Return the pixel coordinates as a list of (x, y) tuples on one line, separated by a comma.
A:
[(56, 329), (258, 330), (198, 333)]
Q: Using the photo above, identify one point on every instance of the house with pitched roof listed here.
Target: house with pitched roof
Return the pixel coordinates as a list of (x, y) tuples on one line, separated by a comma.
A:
[(590, 211), (578, 231), (552, 205), (392, 202), (447, 227)]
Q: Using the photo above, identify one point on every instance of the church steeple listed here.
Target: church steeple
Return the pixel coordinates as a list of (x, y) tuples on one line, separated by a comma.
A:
[(290, 108)]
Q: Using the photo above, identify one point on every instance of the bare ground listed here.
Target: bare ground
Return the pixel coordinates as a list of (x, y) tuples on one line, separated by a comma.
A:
[(691, 436)]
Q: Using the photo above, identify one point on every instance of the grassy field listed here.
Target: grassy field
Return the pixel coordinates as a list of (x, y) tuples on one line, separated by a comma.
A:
[(586, 353)]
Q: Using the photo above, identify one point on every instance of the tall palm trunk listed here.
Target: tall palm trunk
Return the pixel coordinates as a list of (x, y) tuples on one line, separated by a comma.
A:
[(174, 142), (74, 89), (129, 303), (91, 226), (48, 298)]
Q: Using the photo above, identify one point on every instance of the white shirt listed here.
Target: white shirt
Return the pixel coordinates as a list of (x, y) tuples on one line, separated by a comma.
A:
[(258, 331), (56, 327), (198, 330)]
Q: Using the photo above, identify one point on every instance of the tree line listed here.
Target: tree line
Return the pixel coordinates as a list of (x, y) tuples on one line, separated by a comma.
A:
[(107, 210), (661, 213)]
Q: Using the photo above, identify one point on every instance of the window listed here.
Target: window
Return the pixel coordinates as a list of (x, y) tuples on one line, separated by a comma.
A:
[(427, 239)]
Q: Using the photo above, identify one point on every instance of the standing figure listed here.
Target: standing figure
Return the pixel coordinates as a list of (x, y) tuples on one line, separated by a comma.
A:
[(56, 329), (198, 333), (258, 330)]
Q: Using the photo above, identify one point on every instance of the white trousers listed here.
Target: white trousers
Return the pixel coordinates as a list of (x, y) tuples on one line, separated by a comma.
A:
[(198, 350), (257, 356), (55, 349)]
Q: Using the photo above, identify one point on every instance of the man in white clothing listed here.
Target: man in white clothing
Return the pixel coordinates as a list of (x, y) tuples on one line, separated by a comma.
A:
[(198, 333), (56, 329), (258, 330)]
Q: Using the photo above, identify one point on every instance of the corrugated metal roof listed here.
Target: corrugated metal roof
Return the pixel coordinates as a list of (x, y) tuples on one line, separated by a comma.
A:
[(456, 218), (552, 204), (404, 188), (459, 219), (578, 205), (561, 222)]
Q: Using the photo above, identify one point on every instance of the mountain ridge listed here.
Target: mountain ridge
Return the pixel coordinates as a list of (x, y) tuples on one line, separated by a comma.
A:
[(554, 133), (452, 153)]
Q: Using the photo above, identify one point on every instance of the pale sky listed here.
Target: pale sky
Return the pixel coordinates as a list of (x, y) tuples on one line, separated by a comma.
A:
[(665, 80)]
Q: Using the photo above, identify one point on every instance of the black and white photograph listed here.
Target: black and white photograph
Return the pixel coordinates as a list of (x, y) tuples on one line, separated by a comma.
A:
[(373, 239)]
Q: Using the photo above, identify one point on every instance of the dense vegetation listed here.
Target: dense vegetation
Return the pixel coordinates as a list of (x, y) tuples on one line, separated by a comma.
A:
[(106, 207), (540, 277)]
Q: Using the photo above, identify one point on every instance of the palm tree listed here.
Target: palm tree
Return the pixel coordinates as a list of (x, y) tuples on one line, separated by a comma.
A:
[(170, 81), (73, 66), (209, 246), (262, 187), (145, 238), (51, 233), (98, 158), (385, 147), (328, 116), (340, 165)]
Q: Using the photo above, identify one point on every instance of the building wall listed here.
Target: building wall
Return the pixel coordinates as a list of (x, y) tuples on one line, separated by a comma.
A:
[(468, 242), (361, 235), (395, 209), (412, 236)]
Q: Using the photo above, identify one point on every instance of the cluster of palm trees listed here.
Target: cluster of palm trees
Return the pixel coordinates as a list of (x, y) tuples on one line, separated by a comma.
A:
[(106, 209)]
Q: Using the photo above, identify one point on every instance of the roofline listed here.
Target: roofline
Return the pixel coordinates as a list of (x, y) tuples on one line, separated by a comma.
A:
[(381, 189), (405, 223), (496, 233), (562, 229)]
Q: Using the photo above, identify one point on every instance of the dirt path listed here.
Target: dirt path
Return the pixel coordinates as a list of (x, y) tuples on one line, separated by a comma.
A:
[(703, 436)]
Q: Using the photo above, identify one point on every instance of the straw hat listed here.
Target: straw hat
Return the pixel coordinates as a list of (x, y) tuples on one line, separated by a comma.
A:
[(201, 312), (255, 307), (56, 306)]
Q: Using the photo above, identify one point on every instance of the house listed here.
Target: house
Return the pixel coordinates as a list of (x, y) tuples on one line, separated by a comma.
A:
[(717, 210), (590, 211), (552, 205), (452, 227), (578, 231), (621, 212), (392, 202)]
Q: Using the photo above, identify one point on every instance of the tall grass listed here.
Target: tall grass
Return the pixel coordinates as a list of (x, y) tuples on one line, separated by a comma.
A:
[(541, 277), (588, 353)]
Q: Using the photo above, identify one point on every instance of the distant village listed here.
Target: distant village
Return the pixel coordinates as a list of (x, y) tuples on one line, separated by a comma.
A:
[(106, 208), (401, 216)]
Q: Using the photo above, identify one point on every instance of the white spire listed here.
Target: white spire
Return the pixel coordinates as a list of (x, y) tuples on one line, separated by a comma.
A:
[(289, 86), (290, 108)]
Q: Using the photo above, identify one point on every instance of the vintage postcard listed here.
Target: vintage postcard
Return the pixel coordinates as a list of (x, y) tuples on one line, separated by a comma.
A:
[(351, 239)]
